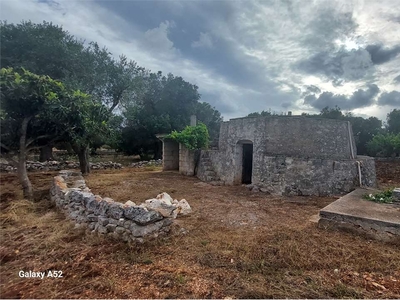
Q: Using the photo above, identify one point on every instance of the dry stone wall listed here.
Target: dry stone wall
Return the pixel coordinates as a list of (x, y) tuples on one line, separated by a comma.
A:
[(128, 221), (58, 165)]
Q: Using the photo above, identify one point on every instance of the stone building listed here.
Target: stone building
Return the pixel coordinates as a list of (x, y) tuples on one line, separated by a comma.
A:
[(283, 155)]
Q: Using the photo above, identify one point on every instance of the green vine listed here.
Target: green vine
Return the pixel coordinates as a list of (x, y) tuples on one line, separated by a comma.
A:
[(192, 137), (382, 197)]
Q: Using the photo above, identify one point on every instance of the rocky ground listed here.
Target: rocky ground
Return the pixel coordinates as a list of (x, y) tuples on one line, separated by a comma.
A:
[(236, 243)]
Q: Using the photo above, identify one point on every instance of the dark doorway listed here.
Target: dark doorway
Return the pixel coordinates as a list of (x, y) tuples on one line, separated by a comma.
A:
[(247, 163)]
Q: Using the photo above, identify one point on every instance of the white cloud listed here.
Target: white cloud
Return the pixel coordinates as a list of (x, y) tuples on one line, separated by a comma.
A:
[(157, 40)]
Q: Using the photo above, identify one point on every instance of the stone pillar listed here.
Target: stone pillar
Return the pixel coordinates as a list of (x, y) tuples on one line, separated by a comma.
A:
[(193, 120), (186, 161)]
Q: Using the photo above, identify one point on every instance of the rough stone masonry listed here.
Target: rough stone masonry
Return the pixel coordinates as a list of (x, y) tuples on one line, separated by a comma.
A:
[(288, 155), (128, 221)]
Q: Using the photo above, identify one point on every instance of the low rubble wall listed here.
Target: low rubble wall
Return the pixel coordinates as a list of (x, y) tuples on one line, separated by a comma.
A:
[(129, 222), (58, 165)]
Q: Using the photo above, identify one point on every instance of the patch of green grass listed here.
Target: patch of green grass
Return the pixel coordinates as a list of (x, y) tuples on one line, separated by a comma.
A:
[(382, 197)]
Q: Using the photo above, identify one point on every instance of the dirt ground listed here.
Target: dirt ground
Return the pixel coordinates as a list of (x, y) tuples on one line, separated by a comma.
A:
[(235, 244)]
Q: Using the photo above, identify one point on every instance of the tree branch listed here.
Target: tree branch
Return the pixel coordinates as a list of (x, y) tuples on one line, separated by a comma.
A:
[(31, 140)]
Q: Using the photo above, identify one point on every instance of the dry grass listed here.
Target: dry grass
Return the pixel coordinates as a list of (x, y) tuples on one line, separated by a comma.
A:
[(237, 244)]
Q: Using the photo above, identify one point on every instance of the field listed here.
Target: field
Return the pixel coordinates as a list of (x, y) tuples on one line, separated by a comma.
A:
[(235, 244)]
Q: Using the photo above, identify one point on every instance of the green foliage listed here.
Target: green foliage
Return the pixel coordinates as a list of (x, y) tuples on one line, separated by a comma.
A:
[(192, 137), (264, 113), (209, 116), (53, 110), (393, 121), (23, 94), (382, 197), (47, 49), (384, 145), (162, 104)]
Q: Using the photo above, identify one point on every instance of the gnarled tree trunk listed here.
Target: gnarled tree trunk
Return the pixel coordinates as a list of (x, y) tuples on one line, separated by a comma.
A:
[(83, 155), (22, 172)]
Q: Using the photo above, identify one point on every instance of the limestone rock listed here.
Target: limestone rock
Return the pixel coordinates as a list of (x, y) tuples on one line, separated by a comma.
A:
[(164, 197), (130, 203), (141, 215), (115, 210), (120, 230), (165, 209), (184, 206), (103, 221), (140, 231), (111, 227)]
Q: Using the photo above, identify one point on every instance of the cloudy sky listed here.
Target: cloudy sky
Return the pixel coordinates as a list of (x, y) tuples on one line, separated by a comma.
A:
[(248, 56)]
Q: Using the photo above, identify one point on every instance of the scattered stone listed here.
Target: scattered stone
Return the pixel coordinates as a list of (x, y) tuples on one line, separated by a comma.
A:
[(164, 197), (184, 206)]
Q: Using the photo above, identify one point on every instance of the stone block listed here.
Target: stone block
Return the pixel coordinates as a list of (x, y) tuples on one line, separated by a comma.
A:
[(111, 227), (120, 230), (103, 221), (141, 231), (141, 215), (115, 210), (101, 229)]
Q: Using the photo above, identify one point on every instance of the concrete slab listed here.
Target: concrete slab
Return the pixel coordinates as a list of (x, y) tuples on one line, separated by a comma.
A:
[(352, 213)]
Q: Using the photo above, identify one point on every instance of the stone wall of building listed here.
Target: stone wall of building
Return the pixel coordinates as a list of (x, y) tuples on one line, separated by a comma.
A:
[(128, 221), (291, 156), (292, 136), (297, 176), (283, 175), (187, 160)]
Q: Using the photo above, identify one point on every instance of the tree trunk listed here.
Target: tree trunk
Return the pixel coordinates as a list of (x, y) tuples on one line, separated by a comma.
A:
[(46, 153), (83, 155), (22, 172)]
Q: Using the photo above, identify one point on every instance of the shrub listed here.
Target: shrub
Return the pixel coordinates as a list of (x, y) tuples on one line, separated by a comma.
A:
[(382, 197), (192, 137), (384, 145)]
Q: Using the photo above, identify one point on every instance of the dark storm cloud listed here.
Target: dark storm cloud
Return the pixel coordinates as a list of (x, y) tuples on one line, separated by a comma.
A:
[(188, 27), (390, 99), (360, 98), (337, 66), (327, 25), (380, 54)]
